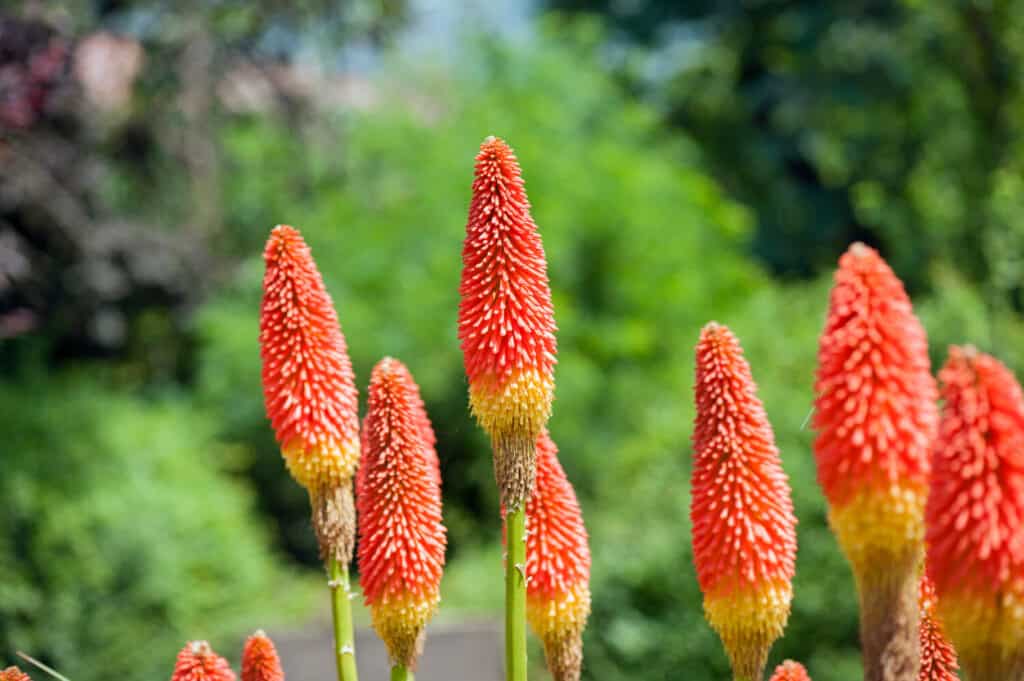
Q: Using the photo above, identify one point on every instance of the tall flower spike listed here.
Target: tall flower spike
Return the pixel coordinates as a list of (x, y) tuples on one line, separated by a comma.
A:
[(260, 661), (744, 529), (790, 671), (13, 674), (557, 565), (875, 417), (975, 515), (938, 659), (308, 387), (401, 538), (198, 662), (506, 322)]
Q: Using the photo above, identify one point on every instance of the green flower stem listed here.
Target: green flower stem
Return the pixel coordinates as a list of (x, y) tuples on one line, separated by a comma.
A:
[(341, 610), (401, 673), (515, 595)]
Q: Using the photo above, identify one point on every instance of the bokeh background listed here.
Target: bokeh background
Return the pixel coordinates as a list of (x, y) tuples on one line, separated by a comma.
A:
[(686, 161)]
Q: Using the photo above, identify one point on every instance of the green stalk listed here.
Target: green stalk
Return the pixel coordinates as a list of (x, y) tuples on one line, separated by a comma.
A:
[(341, 610), (401, 673), (515, 595)]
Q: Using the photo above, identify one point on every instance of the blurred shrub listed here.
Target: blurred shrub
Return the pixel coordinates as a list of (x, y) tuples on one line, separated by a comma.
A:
[(119, 537)]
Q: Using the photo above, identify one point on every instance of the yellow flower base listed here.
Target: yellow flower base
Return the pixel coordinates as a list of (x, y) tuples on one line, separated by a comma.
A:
[(331, 464), (749, 619)]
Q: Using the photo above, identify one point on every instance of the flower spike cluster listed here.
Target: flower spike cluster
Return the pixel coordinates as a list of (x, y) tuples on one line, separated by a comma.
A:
[(401, 538), (875, 416), (790, 671), (260, 661), (506, 321), (938, 659), (308, 387), (975, 515), (557, 565), (13, 674), (744, 529), (198, 662)]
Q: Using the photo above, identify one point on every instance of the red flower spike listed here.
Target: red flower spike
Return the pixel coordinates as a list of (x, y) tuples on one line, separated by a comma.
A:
[(938, 659), (13, 674), (308, 387), (401, 538), (790, 671), (198, 662), (975, 515), (260, 661), (875, 416), (506, 321), (744, 529), (557, 565)]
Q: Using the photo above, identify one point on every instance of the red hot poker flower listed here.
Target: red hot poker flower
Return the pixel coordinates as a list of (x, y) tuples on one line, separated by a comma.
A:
[(938, 659), (506, 321), (744, 529), (308, 385), (260, 661), (975, 515), (13, 674), (198, 662), (401, 538), (875, 416), (557, 565), (790, 671)]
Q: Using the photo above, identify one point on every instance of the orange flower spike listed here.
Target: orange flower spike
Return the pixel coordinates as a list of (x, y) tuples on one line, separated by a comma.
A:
[(744, 529), (975, 515), (875, 416), (557, 565), (401, 538), (260, 661), (790, 671), (938, 659), (198, 662), (13, 674), (308, 385), (506, 321)]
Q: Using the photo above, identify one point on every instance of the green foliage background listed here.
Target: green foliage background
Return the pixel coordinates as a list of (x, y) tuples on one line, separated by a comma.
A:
[(128, 522)]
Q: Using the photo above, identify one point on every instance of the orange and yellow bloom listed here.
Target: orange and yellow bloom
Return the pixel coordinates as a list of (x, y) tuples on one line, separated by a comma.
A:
[(975, 515), (744, 529), (557, 565), (506, 320), (260, 661), (198, 662), (790, 671), (401, 538)]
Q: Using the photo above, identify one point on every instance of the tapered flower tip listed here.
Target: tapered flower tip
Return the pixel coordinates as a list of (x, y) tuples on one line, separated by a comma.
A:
[(744, 529), (875, 415), (790, 671), (975, 513), (198, 662), (308, 386), (401, 538), (260, 661), (938, 658), (557, 565), (13, 674), (506, 320)]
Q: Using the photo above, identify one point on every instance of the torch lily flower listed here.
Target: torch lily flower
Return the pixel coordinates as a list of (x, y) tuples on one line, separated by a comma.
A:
[(938, 658), (506, 321), (744, 529), (557, 565), (401, 538), (260, 661), (790, 671), (875, 417), (975, 515), (198, 662), (308, 387), (13, 674)]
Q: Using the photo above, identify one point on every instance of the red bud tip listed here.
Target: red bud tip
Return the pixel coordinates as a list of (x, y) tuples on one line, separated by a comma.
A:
[(260, 661), (198, 662)]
